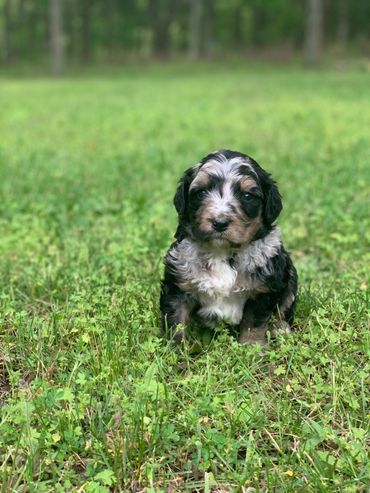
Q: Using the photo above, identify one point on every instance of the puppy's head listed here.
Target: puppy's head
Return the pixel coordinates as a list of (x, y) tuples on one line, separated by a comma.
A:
[(226, 200)]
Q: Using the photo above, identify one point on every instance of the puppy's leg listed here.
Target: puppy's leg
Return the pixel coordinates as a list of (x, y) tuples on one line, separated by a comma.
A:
[(257, 312), (175, 310), (285, 312), (250, 333)]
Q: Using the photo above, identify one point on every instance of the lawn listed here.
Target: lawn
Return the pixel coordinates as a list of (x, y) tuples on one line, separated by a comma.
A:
[(91, 399)]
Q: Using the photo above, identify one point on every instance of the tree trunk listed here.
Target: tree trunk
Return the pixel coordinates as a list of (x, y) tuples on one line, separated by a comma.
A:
[(86, 31), (25, 22), (195, 28), (314, 32), (7, 23), (56, 36), (259, 25), (343, 26), (161, 15), (208, 28), (237, 25)]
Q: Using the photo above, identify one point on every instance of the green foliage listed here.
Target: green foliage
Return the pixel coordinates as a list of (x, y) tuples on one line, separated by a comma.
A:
[(111, 30), (91, 399)]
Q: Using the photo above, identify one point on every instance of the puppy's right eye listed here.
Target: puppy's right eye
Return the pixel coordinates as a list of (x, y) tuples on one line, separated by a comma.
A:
[(200, 193)]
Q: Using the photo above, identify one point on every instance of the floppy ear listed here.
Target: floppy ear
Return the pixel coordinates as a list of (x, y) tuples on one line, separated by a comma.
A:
[(181, 199), (272, 202)]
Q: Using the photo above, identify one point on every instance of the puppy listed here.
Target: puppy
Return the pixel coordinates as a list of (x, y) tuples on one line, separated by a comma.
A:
[(228, 262)]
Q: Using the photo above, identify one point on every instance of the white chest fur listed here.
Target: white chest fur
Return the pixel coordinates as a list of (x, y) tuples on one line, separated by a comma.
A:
[(220, 291), (220, 288)]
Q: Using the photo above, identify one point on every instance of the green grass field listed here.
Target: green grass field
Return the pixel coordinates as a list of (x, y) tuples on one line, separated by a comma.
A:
[(91, 399)]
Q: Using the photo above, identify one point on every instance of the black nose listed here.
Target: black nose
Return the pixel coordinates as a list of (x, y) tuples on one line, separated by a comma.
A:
[(220, 224)]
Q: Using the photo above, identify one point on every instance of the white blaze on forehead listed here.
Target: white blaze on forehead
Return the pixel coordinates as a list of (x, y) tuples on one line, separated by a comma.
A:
[(226, 168)]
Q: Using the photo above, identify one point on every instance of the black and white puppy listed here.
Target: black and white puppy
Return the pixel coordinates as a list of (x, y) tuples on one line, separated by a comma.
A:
[(228, 261)]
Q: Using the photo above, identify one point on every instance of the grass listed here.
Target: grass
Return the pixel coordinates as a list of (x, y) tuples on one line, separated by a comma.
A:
[(91, 399)]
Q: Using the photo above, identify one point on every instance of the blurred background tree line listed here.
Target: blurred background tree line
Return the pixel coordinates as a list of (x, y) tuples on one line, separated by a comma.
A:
[(87, 31)]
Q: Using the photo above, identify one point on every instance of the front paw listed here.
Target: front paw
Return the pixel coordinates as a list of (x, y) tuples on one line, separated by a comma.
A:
[(281, 327), (178, 336), (253, 336)]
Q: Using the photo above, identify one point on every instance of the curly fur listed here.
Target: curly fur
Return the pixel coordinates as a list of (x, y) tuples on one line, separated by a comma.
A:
[(228, 262)]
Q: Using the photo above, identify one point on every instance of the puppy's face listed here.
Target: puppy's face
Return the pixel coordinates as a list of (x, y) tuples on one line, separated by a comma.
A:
[(226, 200)]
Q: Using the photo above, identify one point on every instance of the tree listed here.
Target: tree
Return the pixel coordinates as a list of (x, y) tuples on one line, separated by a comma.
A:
[(86, 30), (56, 36), (260, 19), (7, 28), (342, 32), (208, 28), (160, 13), (81, 30), (195, 28), (314, 31)]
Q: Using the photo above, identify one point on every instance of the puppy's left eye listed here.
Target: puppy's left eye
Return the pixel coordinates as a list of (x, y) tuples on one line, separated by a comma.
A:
[(251, 203), (201, 193)]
